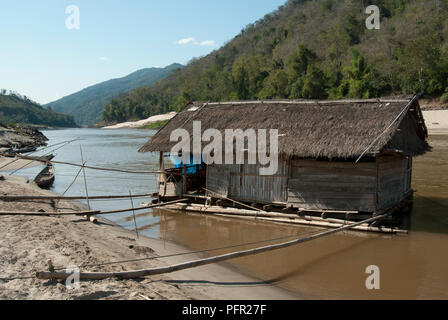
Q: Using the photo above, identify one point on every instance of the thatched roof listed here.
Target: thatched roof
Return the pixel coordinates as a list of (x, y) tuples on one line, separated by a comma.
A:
[(312, 129)]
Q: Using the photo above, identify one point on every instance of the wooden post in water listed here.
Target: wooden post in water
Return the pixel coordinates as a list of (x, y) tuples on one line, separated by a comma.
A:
[(161, 175)]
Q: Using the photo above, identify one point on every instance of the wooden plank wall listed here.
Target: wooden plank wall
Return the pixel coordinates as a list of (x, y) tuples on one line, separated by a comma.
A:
[(321, 185), (394, 180), (218, 177), (317, 185), (246, 184)]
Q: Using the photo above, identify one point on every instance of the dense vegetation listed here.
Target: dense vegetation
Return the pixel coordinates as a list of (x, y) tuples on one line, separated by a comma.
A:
[(86, 106), (312, 49), (20, 110)]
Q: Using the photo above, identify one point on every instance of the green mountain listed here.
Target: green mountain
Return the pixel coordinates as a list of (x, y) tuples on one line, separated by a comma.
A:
[(18, 110), (87, 105), (312, 49)]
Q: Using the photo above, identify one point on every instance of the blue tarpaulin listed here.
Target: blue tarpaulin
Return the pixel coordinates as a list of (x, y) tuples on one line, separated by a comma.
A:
[(177, 161)]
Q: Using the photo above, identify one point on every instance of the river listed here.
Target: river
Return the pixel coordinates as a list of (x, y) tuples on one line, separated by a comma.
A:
[(411, 267)]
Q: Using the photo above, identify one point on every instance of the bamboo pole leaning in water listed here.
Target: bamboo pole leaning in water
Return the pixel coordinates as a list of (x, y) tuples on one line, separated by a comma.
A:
[(196, 263)]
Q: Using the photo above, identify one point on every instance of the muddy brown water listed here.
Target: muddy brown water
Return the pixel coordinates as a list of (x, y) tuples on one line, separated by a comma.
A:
[(411, 267)]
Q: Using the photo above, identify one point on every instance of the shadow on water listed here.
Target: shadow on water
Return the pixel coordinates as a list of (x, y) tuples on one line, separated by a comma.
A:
[(284, 276), (430, 214)]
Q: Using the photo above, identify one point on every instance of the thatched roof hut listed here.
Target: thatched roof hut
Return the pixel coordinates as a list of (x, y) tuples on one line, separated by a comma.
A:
[(312, 129), (319, 143)]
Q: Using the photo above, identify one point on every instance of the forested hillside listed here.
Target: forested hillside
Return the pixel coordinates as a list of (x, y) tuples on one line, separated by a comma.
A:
[(312, 49), (86, 106), (20, 110)]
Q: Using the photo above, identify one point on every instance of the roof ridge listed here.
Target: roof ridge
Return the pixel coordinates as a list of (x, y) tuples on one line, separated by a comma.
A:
[(311, 101)]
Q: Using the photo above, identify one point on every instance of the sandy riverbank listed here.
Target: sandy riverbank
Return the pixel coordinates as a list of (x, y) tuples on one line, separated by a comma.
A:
[(10, 164), (144, 122), (27, 242), (436, 121)]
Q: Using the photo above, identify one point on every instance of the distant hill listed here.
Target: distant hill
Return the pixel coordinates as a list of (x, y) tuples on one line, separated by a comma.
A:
[(19, 110), (312, 49), (86, 106)]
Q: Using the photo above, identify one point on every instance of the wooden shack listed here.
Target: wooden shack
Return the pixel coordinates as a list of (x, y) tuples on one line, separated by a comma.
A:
[(347, 156)]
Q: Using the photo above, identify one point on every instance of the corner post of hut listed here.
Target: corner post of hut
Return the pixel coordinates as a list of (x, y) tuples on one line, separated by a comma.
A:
[(162, 176)]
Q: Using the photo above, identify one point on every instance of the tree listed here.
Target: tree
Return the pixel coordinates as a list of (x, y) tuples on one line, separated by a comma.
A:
[(275, 85), (423, 66), (248, 74), (357, 80), (300, 60), (314, 84), (306, 78)]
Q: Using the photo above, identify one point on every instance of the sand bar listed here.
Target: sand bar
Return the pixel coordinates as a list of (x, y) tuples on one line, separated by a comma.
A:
[(27, 242), (436, 121), (144, 122)]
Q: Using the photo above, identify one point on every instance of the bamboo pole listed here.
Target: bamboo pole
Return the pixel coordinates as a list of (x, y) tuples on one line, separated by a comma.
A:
[(133, 214), (56, 144), (237, 202), (92, 219), (31, 161), (85, 179), (280, 217), (251, 213), (80, 165), (68, 213), (92, 212), (23, 197), (196, 263), (71, 184)]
